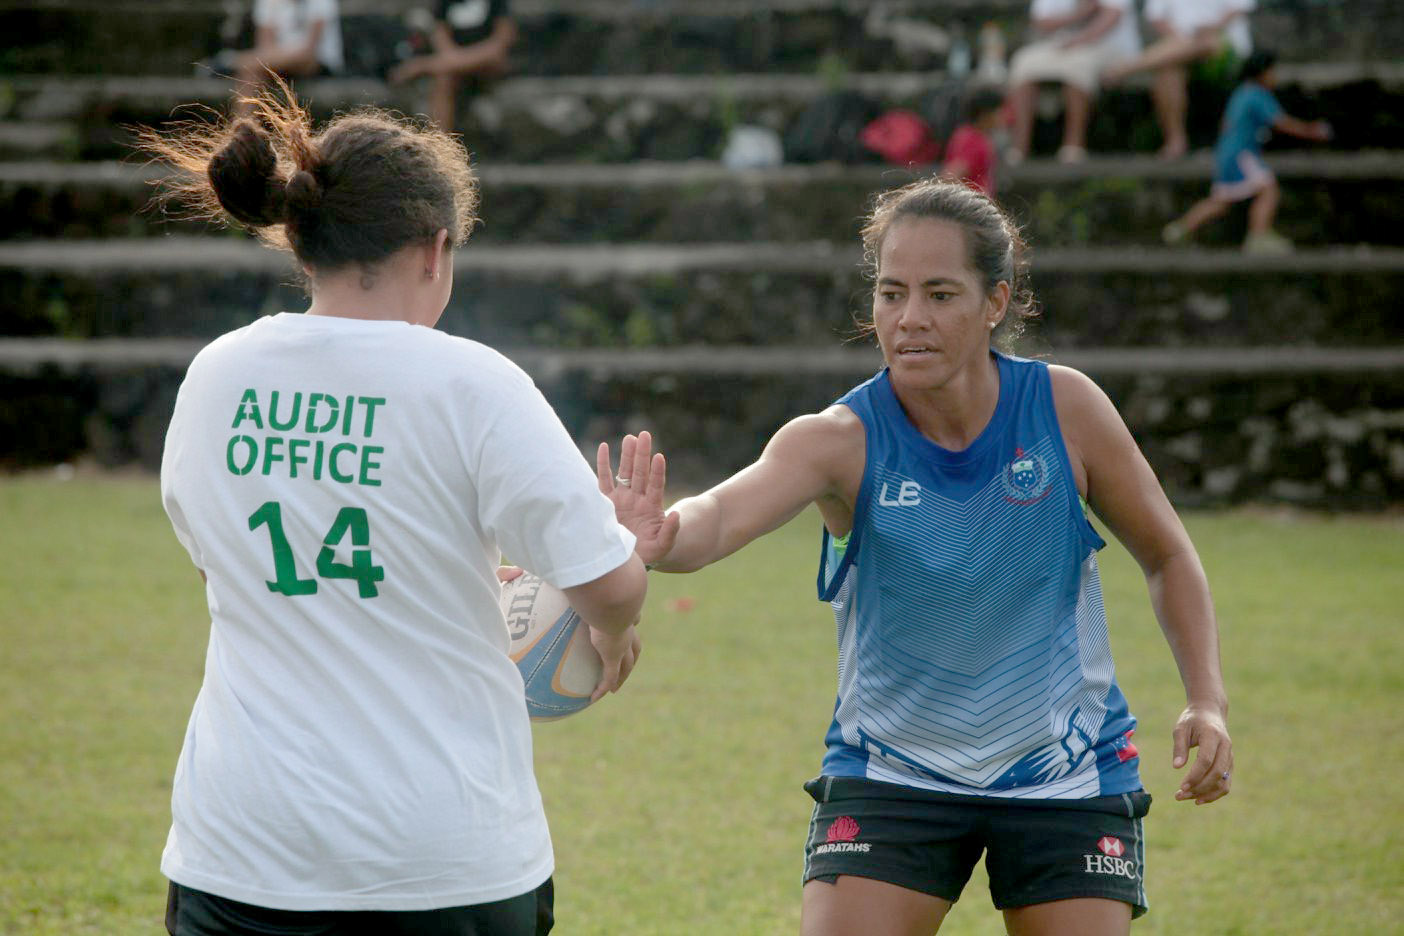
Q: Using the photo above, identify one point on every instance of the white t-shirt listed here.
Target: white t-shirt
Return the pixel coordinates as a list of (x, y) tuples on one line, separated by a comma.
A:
[(361, 739), (1123, 39), (1186, 16), (291, 20)]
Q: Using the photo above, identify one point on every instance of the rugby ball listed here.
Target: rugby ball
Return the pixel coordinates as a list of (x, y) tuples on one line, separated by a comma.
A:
[(551, 647)]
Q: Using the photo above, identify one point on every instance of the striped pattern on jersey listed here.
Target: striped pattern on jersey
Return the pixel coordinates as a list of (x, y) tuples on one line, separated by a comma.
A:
[(973, 650)]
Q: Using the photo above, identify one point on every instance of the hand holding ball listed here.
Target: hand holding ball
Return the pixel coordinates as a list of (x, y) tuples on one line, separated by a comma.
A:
[(551, 647)]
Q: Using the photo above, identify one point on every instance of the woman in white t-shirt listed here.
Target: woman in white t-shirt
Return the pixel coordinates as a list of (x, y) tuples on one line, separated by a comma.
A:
[(295, 39), (1211, 33), (1077, 41), (346, 481)]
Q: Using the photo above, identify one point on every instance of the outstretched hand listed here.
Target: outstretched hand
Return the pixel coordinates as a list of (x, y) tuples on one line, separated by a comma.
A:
[(1211, 774), (637, 493)]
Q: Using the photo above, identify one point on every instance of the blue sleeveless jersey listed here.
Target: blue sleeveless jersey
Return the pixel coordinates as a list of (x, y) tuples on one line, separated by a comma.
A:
[(973, 652)]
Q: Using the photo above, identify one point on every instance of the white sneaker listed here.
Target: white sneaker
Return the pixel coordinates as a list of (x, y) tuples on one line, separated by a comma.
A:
[(1267, 244)]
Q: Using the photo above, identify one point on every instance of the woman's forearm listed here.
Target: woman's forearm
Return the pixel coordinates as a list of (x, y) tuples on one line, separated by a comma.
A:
[(1179, 593), (698, 535)]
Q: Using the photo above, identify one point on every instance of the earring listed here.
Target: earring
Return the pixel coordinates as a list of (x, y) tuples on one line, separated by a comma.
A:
[(430, 274)]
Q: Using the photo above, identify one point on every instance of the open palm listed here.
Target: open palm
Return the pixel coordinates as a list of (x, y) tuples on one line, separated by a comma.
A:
[(636, 491)]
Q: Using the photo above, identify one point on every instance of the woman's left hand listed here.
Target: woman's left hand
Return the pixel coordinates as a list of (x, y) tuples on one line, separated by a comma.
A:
[(637, 494), (1206, 728)]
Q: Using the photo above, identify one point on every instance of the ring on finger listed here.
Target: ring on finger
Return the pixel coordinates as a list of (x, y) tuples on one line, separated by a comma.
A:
[(622, 482), (1224, 775)]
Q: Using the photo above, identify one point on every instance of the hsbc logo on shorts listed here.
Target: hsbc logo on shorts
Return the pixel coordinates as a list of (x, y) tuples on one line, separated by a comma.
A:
[(1110, 860)]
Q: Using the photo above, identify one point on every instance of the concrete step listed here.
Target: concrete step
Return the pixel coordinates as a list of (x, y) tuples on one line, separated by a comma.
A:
[(678, 117), (651, 36), (1312, 427), (29, 357), (32, 139), (1328, 198), (649, 295)]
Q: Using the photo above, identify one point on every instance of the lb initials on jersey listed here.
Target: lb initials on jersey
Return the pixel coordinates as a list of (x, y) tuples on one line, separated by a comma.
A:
[(908, 495)]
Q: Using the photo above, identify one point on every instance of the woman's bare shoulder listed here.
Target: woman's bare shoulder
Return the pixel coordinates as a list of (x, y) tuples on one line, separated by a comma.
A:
[(836, 426), (828, 445)]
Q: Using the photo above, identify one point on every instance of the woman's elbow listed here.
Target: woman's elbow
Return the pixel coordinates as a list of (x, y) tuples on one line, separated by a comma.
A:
[(613, 601)]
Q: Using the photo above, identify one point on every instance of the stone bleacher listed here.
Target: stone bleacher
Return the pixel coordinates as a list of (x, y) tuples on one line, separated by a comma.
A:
[(646, 286)]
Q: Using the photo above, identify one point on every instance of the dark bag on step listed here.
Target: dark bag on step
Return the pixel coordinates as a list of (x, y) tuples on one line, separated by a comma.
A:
[(828, 129)]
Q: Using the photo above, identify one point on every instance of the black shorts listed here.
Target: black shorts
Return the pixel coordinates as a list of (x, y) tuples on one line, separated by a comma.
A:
[(1035, 850), (195, 913)]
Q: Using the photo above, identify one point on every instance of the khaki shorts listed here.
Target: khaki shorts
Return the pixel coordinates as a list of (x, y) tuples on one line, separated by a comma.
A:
[(1046, 60)]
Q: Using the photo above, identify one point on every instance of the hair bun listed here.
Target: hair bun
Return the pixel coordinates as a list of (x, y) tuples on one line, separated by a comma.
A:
[(242, 174), (303, 193)]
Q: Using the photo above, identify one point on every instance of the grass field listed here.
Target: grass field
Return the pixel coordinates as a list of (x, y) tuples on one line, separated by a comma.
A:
[(676, 806)]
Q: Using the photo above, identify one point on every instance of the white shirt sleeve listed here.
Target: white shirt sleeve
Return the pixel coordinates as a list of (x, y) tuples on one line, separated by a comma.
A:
[(172, 457), (539, 498)]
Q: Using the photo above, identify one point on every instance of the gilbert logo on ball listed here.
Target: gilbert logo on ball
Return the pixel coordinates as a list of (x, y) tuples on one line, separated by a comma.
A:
[(551, 647)]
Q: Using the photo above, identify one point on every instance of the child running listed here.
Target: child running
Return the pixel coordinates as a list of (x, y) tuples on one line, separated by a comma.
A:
[(1239, 170)]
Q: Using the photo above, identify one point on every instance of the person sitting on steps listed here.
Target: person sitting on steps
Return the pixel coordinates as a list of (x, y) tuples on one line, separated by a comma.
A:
[(1078, 40), (1210, 36), (471, 39), (292, 38)]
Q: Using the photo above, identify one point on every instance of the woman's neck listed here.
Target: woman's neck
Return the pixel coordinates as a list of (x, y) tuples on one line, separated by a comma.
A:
[(375, 298), (954, 414)]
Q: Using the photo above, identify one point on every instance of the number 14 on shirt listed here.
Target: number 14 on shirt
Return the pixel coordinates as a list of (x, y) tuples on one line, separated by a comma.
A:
[(360, 568)]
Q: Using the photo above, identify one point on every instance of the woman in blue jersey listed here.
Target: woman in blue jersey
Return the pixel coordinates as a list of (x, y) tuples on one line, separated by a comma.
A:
[(977, 709)]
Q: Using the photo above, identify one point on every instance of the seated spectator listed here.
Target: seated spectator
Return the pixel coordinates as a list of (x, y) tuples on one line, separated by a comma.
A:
[(294, 38), (970, 152), (1078, 40), (471, 39), (1239, 170), (1212, 34)]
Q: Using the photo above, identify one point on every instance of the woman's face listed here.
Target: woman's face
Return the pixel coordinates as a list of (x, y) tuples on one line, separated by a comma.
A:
[(932, 314)]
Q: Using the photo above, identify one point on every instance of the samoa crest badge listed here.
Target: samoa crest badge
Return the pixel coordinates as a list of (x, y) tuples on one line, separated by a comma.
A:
[(1026, 478)]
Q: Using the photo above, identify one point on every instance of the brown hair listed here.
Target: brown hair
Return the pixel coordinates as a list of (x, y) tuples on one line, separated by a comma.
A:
[(364, 186), (995, 246)]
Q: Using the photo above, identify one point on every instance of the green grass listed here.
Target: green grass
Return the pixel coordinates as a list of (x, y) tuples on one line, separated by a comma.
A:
[(676, 805)]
